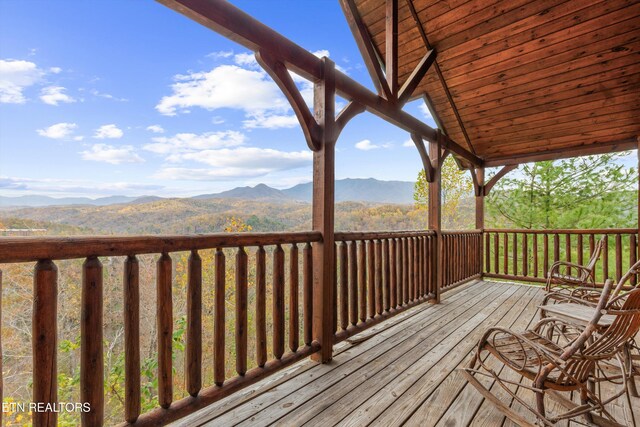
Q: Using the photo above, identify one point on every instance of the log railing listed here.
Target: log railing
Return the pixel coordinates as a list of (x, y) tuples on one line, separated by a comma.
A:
[(526, 255), (377, 275), (461, 257), (380, 274), (45, 251)]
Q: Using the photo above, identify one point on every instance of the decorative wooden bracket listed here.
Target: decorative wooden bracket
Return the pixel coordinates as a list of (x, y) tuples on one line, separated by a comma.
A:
[(407, 89), (346, 114), (502, 172), (426, 161), (365, 45), (477, 186), (279, 73)]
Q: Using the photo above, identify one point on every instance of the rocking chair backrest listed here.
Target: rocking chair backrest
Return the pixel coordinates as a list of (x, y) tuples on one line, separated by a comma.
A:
[(596, 254), (624, 327)]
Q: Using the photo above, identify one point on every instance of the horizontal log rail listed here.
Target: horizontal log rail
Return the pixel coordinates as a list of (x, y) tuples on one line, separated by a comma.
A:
[(25, 249), (527, 255)]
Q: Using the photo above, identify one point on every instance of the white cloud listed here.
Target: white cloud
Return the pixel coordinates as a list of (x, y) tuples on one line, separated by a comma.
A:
[(366, 145), (226, 86), (220, 54), (58, 131), (425, 111), (61, 187), (155, 129), (176, 146), (53, 95), (113, 155), (15, 77), (241, 162), (273, 121), (247, 59), (97, 93), (110, 131), (409, 143), (55, 70)]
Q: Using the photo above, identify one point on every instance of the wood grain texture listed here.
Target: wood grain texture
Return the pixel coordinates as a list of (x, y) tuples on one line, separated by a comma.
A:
[(91, 351)]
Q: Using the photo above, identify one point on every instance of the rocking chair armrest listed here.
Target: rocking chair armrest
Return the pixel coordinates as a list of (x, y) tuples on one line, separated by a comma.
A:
[(525, 342), (569, 264), (565, 297)]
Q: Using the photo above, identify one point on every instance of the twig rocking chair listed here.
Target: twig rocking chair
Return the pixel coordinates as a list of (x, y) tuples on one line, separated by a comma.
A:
[(559, 274), (553, 368)]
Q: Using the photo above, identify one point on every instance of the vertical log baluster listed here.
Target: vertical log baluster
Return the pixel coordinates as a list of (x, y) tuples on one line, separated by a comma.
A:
[(514, 254), (278, 302), (241, 311), (371, 271), (496, 253), (91, 356), (415, 275), (618, 257), (393, 273), (487, 254), (261, 306), (387, 274), (556, 247), (632, 256), (406, 272), (131, 285), (545, 255), (307, 292), (353, 283), (44, 340), (580, 250), (294, 312), (505, 255), (605, 258), (219, 318), (567, 250), (535, 255), (362, 280), (378, 268), (344, 284), (193, 351), (401, 272), (525, 255), (165, 330), (335, 288)]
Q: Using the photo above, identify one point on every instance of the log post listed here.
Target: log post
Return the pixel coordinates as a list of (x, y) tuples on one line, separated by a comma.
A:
[(638, 240), (45, 341), (480, 211), (323, 215), (435, 211)]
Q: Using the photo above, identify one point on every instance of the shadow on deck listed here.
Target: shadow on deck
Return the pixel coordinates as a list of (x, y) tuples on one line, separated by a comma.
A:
[(400, 372)]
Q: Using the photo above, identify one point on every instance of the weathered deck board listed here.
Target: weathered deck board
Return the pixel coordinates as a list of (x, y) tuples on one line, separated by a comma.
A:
[(405, 374)]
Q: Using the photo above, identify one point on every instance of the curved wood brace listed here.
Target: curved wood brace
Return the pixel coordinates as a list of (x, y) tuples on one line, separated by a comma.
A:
[(346, 114), (426, 161), (477, 187), (410, 85), (493, 181), (279, 73)]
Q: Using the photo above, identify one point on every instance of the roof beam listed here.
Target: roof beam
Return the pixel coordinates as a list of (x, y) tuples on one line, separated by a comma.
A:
[(447, 92), (366, 47), (592, 149), (233, 23), (407, 89), (391, 46)]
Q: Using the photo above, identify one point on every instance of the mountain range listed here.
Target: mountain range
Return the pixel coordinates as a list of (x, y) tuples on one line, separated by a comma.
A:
[(357, 190)]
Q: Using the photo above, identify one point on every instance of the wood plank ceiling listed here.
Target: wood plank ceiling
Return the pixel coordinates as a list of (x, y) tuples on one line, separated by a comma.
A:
[(530, 79)]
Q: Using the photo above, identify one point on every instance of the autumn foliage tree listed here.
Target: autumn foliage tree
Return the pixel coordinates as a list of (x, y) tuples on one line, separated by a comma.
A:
[(457, 187)]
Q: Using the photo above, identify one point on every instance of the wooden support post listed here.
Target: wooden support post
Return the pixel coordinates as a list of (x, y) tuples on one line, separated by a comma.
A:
[(322, 215), (480, 210), (638, 194), (435, 211), (91, 351), (391, 46)]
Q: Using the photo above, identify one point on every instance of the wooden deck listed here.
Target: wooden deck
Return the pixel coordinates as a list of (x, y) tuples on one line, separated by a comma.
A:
[(401, 372)]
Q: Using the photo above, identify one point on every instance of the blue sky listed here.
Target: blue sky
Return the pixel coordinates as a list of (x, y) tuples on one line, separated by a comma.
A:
[(128, 97), (121, 97)]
